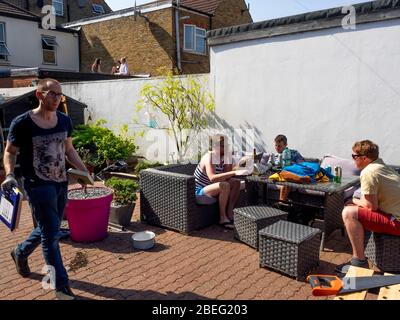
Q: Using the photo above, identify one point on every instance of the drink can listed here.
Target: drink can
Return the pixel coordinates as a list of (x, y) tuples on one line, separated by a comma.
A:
[(338, 174)]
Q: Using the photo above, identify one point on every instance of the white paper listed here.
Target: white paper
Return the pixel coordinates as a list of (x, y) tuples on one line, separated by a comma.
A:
[(6, 209)]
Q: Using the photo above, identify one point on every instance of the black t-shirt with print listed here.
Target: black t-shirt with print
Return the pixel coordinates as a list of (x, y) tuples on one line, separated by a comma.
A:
[(41, 151)]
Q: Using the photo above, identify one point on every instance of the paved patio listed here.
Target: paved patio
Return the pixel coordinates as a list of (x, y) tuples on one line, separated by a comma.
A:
[(210, 264)]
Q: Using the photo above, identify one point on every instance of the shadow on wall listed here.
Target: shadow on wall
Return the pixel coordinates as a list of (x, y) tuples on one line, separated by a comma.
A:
[(92, 48), (218, 123), (164, 39)]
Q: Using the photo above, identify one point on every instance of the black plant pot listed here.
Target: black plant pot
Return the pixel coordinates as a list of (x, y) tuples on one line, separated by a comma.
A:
[(121, 215)]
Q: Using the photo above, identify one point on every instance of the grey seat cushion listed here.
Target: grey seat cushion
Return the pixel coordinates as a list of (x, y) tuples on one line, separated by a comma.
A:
[(205, 200), (357, 193), (348, 166)]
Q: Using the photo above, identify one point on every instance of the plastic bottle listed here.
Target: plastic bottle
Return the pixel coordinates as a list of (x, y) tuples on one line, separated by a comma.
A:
[(286, 157), (255, 171)]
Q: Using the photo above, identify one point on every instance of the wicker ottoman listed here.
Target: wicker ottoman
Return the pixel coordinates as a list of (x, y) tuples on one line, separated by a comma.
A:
[(383, 251), (249, 220), (290, 248)]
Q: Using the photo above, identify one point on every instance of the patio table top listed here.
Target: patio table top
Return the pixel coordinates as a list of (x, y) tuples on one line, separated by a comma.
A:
[(327, 187)]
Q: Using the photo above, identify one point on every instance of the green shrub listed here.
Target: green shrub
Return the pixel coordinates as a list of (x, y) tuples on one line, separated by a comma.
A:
[(124, 190), (96, 144), (145, 165)]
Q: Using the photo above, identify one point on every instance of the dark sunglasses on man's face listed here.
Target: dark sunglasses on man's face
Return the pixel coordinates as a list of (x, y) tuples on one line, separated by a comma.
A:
[(355, 156)]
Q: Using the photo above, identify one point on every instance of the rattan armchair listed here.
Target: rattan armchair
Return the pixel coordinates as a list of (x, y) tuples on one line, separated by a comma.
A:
[(167, 199)]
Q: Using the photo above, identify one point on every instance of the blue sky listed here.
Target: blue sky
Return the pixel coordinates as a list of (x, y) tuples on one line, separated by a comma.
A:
[(263, 9)]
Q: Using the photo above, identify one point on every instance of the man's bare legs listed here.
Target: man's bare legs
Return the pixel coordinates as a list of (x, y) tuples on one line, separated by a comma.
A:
[(222, 190), (354, 230)]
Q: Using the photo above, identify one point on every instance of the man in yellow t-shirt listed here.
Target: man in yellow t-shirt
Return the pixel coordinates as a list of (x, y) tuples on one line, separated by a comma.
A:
[(378, 210)]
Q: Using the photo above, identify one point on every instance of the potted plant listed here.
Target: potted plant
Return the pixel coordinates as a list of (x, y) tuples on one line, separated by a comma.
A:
[(89, 159), (144, 164), (124, 199), (87, 212)]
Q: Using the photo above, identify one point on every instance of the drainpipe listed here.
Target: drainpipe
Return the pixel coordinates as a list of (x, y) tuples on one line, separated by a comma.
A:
[(178, 42)]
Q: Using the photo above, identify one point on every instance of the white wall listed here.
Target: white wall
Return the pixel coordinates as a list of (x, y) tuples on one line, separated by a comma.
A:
[(25, 45), (115, 102), (324, 89)]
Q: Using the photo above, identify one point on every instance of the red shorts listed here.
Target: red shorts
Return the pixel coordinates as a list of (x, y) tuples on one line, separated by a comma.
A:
[(378, 222)]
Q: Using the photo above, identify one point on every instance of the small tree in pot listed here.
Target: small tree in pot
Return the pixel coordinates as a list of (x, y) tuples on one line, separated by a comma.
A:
[(123, 201)]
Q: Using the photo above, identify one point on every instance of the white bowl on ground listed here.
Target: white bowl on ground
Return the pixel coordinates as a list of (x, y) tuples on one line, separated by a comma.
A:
[(143, 240)]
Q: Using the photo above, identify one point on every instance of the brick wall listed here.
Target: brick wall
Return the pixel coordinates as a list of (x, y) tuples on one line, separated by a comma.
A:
[(147, 46), (72, 11), (16, 82), (191, 62), (229, 13)]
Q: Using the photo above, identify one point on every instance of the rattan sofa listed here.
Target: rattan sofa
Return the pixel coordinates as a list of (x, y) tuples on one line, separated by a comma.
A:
[(167, 199)]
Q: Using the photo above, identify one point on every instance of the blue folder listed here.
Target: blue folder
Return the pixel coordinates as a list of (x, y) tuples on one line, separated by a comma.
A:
[(10, 208)]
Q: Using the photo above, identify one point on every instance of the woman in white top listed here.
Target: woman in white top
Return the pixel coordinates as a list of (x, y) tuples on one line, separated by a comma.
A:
[(213, 179)]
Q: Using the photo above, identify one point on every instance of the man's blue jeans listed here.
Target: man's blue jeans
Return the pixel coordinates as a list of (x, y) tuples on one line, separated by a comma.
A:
[(47, 203)]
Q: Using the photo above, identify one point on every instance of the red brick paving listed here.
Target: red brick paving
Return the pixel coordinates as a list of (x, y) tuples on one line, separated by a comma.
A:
[(210, 264)]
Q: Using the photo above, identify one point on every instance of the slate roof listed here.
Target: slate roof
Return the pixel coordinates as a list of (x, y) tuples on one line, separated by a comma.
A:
[(8, 9), (310, 21), (207, 6)]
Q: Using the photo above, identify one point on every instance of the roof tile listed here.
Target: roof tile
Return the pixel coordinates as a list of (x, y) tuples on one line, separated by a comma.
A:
[(207, 6), (10, 9)]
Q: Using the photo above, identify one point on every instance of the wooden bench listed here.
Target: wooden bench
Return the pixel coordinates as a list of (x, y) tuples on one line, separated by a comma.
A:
[(385, 293)]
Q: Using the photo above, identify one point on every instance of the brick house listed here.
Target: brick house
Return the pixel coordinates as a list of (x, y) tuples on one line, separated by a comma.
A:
[(148, 35), (66, 10)]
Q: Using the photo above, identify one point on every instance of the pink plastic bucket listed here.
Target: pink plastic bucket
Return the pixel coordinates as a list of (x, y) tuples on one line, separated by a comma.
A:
[(88, 218)]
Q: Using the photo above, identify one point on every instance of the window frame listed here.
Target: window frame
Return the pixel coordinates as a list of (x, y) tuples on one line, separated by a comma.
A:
[(62, 6), (43, 41), (4, 42), (95, 5), (194, 39)]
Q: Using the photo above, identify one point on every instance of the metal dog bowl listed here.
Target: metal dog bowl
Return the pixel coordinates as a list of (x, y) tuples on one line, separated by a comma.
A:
[(144, 240)]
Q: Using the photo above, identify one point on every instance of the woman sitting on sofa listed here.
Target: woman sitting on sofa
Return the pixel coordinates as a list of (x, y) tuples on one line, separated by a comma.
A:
[(214, 179)]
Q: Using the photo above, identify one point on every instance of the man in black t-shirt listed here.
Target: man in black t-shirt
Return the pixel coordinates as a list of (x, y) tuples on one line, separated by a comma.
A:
[(43, 138)]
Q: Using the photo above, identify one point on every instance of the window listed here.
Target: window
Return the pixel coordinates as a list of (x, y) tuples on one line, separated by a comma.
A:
[(49, 47), (59, 7), (98, 8), (4, 53), (194, 39)]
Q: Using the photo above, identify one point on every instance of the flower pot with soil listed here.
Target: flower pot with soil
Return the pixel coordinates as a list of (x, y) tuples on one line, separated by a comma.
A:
[(87, 212), (124, 199)]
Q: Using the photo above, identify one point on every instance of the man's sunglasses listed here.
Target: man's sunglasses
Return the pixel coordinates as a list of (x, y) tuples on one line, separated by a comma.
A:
[(53, 94), (355, 156)]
